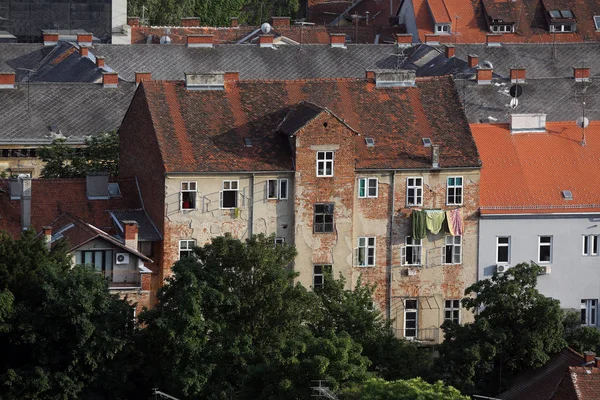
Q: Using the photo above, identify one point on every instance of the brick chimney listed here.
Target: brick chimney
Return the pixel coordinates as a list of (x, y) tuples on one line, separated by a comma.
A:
[(84, 51), (473, 60), (84, 39), (110, 79), (404, 39), (450, 50), (47, 236), (7, 80), (142, 76), (581, 74), (432, 39), (133, 21), (99, 62), (493, 39), (190, 21), (435, 156), (517, 74), (130, 234), (204, 40), (232, 76), (337, 40), (265, 40), (589, 357), (50, 39), (280, 22), (235, 22), (484, 76)]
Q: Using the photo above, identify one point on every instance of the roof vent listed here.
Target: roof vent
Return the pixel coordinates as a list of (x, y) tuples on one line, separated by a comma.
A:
[(247, 142), (567, 195), (209, 81), (394, 78), (426, 142), (370, 142), (526, 123)]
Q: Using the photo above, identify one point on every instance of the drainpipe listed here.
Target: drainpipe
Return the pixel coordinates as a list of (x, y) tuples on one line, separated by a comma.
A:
[(388, 311), (251, 207)]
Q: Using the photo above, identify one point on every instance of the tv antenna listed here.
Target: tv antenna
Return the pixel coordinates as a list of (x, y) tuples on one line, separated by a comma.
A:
[(322, 392), (158, 394)]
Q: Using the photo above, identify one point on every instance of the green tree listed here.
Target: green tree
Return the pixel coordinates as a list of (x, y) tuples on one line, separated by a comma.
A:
[(580, 338), (515, 328), (59, 326), (413, 389), (100, 154)]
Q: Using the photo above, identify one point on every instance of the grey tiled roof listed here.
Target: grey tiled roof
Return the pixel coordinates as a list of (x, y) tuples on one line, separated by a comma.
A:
[(21, 55), (65, 64), (147, 230), (79, 110)]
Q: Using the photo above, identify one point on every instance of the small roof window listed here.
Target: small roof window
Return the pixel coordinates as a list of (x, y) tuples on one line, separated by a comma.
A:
[(597, 22), (59, 234), (566, 14), (247, 142), (370, 142), (567, 195), (113, 189), (426, 142)]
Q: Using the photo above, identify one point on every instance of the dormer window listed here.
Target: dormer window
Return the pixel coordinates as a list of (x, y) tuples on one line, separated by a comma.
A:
[(501, 28), (442, 29), (562, 28), (561, 21)]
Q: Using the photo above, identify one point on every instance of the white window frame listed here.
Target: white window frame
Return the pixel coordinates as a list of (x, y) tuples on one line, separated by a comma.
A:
[(188, 248), (589, 242), (321, 275), (499, 245), (367, 245), (416, 249), (456, 248), (188, 189), (540, 244), (237, 195), (416, 319), (561, 28), (324, 162), (455, 187), (366, 184), (591, 312), (450, 305), (443, 29), (279, 195), (279, 241), (417, 196)]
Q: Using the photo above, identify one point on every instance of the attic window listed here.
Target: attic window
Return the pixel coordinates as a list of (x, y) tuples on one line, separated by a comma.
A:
[(247, 142), (59, 234), (426, 142), (370, 142), (113, 189), (555, 14), (597, 22), (567, 195), (566, 14), (54, 129)]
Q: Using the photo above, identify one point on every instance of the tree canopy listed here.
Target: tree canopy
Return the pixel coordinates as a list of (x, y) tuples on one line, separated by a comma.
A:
[(413, 389)]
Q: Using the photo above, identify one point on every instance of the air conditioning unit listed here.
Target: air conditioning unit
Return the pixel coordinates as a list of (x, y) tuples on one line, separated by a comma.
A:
[(122, 258), (502, 268), (546, 269)]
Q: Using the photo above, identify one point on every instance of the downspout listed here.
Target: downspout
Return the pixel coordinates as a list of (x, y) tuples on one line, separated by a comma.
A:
[(391, 250), (251, 207)]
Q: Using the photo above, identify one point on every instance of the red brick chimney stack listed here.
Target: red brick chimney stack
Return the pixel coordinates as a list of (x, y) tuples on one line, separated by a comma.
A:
[(47, 236), (7, 80), (473, 60), (99, 61), (130, 233)]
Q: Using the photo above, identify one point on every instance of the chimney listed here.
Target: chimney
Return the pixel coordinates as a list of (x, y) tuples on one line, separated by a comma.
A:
[(130, 233), (208, 81), (370, 76), (517, 74), (385, 78), (527, 123), (435, 156), (84, 39), (337, 40), (280, 22), (133, 21), (432, 39), (265, 40), (142, 76), (450, 50), (589, 357), (83, 51), (50, 39), (7, 80), (99, 62), (25, 202), (473, 60), (232, 76), (47, 236), (484, 76), (581, 74), (493, 39), (96, 185), (190, 21), (235, 21), (404, 39), (200, 40), (110, 80)]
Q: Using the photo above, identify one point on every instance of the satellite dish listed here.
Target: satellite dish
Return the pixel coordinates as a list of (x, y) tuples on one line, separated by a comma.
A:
[(487, 64), (582, 122), (514, 102), (165, 40), (516, 90), (265, 28)]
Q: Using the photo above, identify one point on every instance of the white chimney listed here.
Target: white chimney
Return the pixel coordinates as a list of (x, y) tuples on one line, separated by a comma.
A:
[(526, 123), (48, 236)]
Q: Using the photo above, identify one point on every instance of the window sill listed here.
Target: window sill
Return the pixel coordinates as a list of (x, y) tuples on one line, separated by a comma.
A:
[(365, 266)]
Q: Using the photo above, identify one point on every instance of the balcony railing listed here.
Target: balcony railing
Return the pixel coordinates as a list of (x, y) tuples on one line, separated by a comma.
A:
[(127, 279), (423, 335)]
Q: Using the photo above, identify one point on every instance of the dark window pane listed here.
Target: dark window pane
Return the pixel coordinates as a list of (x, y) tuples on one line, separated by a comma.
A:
[(503, 254), (229, 198)]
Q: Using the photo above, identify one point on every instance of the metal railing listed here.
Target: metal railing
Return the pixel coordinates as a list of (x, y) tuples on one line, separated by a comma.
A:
[(422, 335), (123, 279)]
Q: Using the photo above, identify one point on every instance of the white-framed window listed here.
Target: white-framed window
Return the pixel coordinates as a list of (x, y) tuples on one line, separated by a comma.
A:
[(502, 249), (442, 28), (544, 249), (319, 271), (452, 310), (279, 241), (454, 191), (188, 196), (229, 194), (590, 245), (561, 28), (411, 252), (324, 163), (186, 248), (367, 187), (411, 314), (366, 252), (277, 189), (588, 312), (414, 191), (501, 28), (323, 219), (452, 250)]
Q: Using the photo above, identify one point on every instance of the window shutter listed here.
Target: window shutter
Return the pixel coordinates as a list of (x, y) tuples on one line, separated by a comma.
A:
[(355, 256), (221, 199), (180, 201), (361, 187)]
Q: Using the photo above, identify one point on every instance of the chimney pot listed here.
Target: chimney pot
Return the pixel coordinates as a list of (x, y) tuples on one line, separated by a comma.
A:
[(473, 60), (142, 76), (50, 39), (265, 40), (99, 62), (493, 39), (450, 51), (280, 22), (47, 236), (110, 80), (84, 39), (435, 156), (130, 233), (203, 40), (581, 74), (484, 76), (190, 22), (235, 21), (589, 356), (7, 80), (517, 74), (432, 39), (404, 39), (84, 51), (337, 40)]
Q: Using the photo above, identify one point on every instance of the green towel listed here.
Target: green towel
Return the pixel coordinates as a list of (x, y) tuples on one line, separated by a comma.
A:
[(435, 219), (419, 224)]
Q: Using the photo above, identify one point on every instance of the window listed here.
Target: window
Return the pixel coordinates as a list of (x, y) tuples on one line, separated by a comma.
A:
[(597, 22), (412, 252), (452, 250), (544, 249), (454, 191), (324, 163), (503, 249), (323, 218), (414, 191), (452, 310), (588, 312), (367, 187), (102, 260), (442, 28), (590, 245), (277, 189), (229, 195), (188, 195), (366, 252), (186, 248), (319, 271), (279, 241), (562, 28), (410, 318)]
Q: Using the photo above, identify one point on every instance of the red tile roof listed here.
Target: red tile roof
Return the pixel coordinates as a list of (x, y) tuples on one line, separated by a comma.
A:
[(525, 173), (204, 130), (586, 381), (439, 11)]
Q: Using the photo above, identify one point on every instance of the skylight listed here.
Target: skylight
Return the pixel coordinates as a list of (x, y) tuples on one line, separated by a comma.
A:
[(567, 195), (426, 142), (597, 22), (113, 189), (370, 142), (247, 142), (59, 234), (555, 14), (566, 14)]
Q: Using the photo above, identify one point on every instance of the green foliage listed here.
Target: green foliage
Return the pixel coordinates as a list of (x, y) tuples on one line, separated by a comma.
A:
[(100, 154), (580, 338), (59, 326), (413, 389), (517, 328)]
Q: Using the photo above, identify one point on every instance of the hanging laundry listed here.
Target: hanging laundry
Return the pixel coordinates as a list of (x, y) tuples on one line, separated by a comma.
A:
[(449, 220), (455, 222), (435, 219), (419, 224)]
